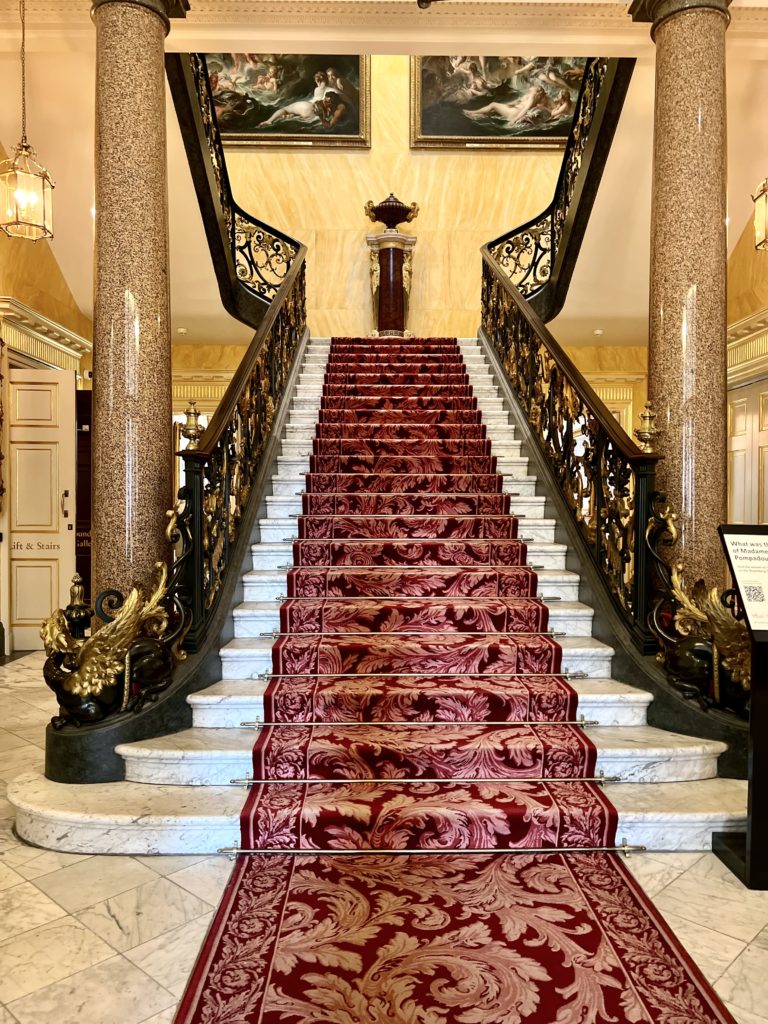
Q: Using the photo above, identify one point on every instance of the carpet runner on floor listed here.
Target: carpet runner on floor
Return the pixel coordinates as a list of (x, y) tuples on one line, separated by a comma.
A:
[(418, 730)]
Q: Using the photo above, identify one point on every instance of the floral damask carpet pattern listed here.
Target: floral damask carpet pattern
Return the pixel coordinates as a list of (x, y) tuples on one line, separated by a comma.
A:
[(429, 846)]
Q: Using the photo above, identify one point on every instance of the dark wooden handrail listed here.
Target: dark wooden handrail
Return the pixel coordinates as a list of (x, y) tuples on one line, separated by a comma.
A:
[(228, 404), (597, 407)]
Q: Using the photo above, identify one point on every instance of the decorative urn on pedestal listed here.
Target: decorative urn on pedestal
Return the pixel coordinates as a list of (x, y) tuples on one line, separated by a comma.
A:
[(391, 256)]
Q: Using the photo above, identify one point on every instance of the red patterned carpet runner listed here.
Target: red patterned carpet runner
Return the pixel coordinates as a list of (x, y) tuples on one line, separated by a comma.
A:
[(416, 705)]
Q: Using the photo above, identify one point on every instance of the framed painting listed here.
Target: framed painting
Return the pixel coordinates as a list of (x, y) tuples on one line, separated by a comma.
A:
[(493, 102), (289, 99)]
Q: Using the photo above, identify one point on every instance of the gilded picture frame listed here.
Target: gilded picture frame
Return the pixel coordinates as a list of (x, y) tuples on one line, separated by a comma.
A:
[(316, 100), (493, 102)]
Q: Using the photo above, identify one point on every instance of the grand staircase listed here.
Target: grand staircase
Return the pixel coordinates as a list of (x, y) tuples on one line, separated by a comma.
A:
[(177, 795)]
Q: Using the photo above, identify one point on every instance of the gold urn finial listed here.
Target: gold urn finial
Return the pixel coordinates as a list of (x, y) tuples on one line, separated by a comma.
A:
[(192, 428), (647, 433)]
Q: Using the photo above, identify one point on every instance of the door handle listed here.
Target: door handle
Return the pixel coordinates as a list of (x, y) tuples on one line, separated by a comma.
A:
[(64, 512)]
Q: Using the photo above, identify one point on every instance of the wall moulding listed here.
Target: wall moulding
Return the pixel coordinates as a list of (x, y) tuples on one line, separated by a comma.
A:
[(748, 350), (35, 337), (206, 389)]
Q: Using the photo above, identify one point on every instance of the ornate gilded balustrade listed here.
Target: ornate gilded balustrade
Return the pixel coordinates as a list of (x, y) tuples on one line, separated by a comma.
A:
[(538, 257), (219, 474), (605, 478)]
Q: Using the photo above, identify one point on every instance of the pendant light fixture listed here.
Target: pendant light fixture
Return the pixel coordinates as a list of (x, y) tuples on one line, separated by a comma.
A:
[(26, 208)]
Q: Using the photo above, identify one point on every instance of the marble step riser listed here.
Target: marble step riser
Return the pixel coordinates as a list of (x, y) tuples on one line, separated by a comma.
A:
[(276, 530), (252, 623), (275, 556), (248, 665), (255, 589), (218, 768), (512, 467), (186, 837), (287, 485), (294, 449), (231, 713), (291, 507)]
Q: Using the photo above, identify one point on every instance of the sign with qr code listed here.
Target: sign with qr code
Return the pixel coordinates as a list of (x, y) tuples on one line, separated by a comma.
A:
[(746, 548)]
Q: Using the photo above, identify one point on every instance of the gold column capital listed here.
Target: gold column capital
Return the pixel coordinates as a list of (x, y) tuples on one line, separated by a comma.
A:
[(657, 11), (164, 9)]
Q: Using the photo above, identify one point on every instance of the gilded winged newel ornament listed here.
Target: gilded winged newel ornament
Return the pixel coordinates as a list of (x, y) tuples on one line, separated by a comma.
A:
[(703, 642), (127, 661)]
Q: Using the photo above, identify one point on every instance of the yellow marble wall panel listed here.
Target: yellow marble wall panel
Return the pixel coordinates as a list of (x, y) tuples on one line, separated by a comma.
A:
[(466, 198), (747, 277), (213, 358), (30, 274)]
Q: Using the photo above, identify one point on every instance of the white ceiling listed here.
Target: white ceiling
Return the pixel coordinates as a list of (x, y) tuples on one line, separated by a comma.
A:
[(609, 289)]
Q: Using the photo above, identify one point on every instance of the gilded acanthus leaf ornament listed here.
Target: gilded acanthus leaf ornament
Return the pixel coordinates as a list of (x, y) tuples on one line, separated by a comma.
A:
[(120, 664)]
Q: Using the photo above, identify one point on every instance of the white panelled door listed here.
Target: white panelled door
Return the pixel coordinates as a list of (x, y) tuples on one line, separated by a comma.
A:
[(41, 495), (748, 453)]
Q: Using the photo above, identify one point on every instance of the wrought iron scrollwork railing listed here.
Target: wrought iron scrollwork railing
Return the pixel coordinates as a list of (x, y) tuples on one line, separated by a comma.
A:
[(604, 477), (262, 280), (538, 256), (220, 473), (262, 254)]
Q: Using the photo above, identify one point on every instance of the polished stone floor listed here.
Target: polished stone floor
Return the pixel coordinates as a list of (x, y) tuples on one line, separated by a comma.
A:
[(110, 940)]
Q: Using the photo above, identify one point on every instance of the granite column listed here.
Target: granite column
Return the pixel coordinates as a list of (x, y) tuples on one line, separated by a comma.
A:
[(132, 433), (687, 343)]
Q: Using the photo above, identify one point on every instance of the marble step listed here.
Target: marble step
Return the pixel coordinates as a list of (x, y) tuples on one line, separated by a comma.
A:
[(230, 702), (135, 819), (269, 584), (289, 506), (246, 657), (213, 757), (281, 529), (283, 484), (514, 467), (276, 554), (252, 618), (298, 449)]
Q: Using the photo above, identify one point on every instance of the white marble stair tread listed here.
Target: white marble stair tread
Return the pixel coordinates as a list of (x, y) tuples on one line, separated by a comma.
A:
[(213, 757), (250, 656), (285, 527), (678, 815), (192, 757), (230, 702), (254, 617), (645, 754), (125, 817)]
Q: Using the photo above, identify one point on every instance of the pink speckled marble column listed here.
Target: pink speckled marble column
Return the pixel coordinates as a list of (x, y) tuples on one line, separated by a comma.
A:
[(132, 433), (687, 346)]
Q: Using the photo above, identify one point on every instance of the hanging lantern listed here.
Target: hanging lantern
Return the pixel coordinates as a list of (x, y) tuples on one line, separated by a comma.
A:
[(760, 199), (26, 206)]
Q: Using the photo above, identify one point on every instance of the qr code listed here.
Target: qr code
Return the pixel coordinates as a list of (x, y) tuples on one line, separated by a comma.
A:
[(754, 593)]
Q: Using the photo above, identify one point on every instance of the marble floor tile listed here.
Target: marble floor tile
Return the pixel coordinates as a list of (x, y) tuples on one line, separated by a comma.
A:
[(711, 950), (205, 879), (166, 865), (27, 758), (715, 904), (739, 1015), (6, 1017), (141, 914), (745, 983), (9, 741), (170, 958), (45, 955), (166, 1017), (23, 907), (112, 992), (8, 876), (653, 872), (46, 862), (33, 734), (93, 880)]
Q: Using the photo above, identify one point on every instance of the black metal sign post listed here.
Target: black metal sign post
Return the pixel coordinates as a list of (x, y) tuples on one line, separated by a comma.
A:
[(746, 853)]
